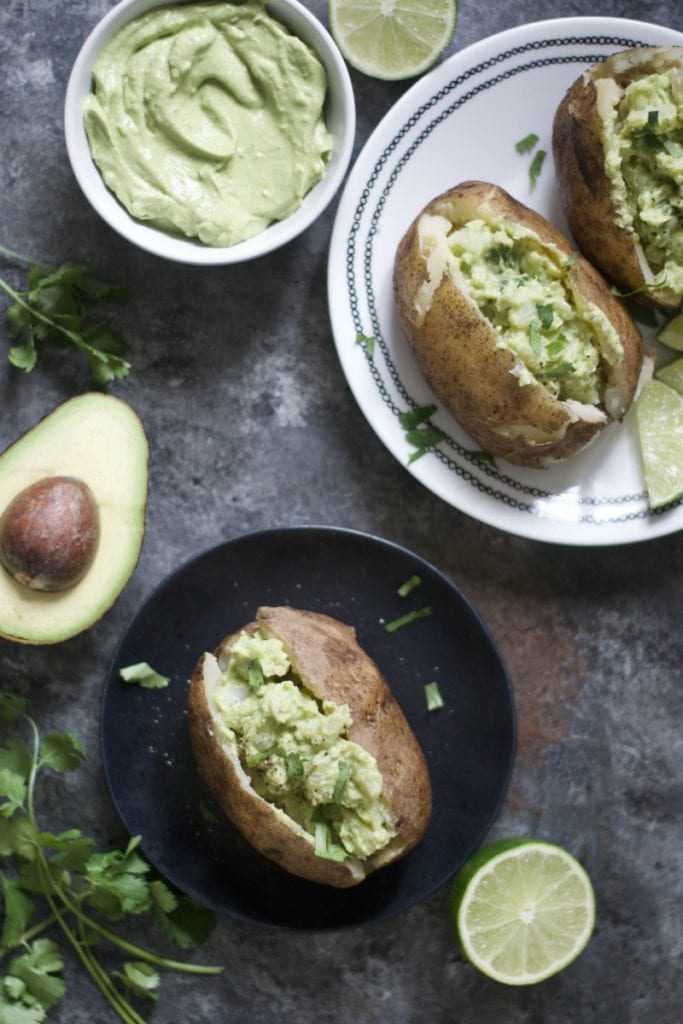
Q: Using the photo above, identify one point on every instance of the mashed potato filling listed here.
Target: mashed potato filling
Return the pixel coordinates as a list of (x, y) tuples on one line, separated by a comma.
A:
[(643, 140), (296, 752), (521, 286)]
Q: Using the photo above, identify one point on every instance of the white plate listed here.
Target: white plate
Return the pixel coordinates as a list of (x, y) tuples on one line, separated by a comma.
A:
[(461, 121)]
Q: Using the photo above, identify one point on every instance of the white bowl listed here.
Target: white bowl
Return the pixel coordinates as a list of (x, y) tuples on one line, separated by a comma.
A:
[(340, 115)]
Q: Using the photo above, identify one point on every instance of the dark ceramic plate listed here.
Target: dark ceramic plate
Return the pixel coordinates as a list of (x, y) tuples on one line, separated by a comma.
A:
[(469, 744)]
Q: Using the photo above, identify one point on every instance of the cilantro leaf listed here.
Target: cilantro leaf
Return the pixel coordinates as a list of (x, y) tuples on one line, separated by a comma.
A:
[(16, 757), (61, 751), (38, 969), (12, 706), (367, 342), (188, 924), (53, 309), (13, 790), (15, 1012), (140, 978), (18, 908)]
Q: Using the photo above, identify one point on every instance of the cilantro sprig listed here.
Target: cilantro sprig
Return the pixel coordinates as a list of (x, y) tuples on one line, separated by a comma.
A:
[(53, 309), (62, 883)]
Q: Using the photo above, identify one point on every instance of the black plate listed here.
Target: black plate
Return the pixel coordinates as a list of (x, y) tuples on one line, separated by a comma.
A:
[(469, 744)]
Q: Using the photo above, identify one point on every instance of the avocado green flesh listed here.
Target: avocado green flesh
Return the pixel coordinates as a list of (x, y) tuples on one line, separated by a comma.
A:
[(643, 140), (100, 440), (207, 120), (521, 286), (296, 752)]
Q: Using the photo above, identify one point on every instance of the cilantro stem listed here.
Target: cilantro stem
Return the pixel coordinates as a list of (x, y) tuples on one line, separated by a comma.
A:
[(36, 929), (15, 257), (37, 315), (117, 1000)]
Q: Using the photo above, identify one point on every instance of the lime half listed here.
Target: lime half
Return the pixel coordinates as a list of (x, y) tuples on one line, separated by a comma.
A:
[(523, 909), (392, 39), (672, 333), (672, 374), (659, 413)]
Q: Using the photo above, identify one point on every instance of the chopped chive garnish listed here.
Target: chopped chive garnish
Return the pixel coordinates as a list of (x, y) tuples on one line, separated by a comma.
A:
[(255, 675), (342, 779), (526, 144), (294, 766), (433, 695), (559, 370), (403, 620), (536, 165), (409, 585), (557, 345), (144, 675), (367, 342)]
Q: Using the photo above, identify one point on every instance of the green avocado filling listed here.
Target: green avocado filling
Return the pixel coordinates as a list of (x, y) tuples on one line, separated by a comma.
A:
[(295, 751), (522, 287), (643, 140)]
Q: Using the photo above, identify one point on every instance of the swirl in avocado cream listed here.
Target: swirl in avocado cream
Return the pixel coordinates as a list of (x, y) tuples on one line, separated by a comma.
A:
[(206, 120)]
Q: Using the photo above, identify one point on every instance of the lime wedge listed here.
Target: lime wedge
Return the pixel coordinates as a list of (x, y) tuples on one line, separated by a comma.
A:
[(523, 909), (672, 333), (672, 374), (659, 414), (392, 39)]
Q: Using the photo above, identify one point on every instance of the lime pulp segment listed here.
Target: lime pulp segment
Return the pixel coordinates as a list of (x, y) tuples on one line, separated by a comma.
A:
[(526, 913), (392, 39), (659, 413), (672, 333)]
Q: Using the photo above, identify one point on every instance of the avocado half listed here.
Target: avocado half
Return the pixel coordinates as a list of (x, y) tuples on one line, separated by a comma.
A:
[(100, 440)]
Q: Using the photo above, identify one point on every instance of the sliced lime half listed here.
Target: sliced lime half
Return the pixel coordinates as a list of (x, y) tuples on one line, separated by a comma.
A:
[(659, 414), (672, 333), (672, 374), (523, 910), (392, 39)]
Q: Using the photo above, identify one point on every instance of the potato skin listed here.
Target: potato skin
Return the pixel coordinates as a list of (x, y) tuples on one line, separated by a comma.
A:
[(455, 345), (332, 666), (584, 187)]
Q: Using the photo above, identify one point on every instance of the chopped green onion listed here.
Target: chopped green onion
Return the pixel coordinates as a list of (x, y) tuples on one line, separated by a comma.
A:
[(403, 620), (323, 846), (255, 675), (557, 345), (559, 370), (433, 695), (653, 118), (342, 779), (545, 315), (255, 759), (409, 585), (145, 675), (294, 766), (526, 144), (536, 165), (535, 340)]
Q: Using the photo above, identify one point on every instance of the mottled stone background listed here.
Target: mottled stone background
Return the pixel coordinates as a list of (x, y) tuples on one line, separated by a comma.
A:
[(251, 425)]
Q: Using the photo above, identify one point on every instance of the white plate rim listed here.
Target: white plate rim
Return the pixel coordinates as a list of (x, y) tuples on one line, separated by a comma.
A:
[(483, 492)]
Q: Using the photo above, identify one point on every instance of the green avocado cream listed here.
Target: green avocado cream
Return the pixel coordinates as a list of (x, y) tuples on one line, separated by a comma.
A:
[(643, 141), (521, 285), (206, 120), (295, 750)]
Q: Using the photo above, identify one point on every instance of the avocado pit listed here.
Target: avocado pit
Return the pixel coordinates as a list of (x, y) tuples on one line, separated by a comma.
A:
[(49, 533)]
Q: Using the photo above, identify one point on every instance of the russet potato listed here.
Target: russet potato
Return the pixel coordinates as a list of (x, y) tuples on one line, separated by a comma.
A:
[(526, 414), (333, 672), (618, 147)]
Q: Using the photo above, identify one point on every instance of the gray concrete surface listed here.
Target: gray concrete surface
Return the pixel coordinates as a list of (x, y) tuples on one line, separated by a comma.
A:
[(251, 425)]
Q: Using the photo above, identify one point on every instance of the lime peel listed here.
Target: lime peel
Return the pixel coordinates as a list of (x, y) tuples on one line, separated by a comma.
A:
[(392, 39), (523, 909), (659, 415)]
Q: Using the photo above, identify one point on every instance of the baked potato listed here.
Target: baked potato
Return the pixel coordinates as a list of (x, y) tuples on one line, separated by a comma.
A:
[(618, 146), (517, 336), (297, 735)]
